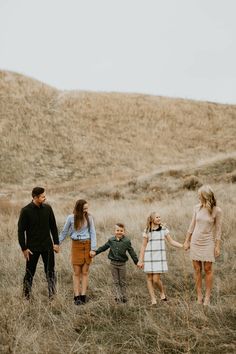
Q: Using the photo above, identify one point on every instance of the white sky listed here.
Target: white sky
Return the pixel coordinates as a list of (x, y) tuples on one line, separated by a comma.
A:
[(176, 48)]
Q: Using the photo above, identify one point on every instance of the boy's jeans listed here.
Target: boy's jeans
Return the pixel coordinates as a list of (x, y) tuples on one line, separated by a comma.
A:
[(118, 271)]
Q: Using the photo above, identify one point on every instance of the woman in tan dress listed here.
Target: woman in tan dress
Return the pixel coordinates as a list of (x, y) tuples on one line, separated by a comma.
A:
[(203, 239)]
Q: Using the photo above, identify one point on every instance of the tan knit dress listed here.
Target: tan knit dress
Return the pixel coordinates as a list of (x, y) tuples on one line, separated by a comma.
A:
[(205, 229)]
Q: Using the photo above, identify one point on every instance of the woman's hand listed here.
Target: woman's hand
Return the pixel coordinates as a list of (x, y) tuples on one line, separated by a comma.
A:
[(92, 253), (186, 245), (217, 251)]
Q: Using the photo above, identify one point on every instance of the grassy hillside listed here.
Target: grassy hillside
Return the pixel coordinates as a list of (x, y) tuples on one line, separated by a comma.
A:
[(52, 136)]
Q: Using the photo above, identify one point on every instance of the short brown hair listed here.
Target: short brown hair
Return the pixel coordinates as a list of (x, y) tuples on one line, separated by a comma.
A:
[(37, 191), (119, 224)]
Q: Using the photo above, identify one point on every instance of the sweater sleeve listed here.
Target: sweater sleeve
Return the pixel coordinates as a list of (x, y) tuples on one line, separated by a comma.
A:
[(218, 224), (53, 227), (132, 253), (103, 248), (92, 234), (65, 230), (193, 222), (22, 223)]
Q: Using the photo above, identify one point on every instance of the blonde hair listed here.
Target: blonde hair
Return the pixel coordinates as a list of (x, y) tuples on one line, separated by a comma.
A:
[(207, 197), (149, 222)]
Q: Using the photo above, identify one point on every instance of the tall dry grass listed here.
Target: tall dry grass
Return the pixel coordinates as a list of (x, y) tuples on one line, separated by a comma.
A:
[(49, 136), (101, 326)]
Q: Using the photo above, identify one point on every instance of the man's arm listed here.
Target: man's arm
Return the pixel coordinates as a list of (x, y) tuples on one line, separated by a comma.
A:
[(53, 227), (22, 224)]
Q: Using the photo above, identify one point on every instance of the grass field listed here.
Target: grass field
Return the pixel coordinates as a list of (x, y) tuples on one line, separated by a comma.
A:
[(127, 155)]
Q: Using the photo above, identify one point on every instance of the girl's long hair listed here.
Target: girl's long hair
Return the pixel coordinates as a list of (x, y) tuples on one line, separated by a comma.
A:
[(208, 199), (150, 221), (79, 214)]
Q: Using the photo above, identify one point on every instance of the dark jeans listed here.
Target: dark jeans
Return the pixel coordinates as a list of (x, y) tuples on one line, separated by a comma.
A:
[(31, 264)]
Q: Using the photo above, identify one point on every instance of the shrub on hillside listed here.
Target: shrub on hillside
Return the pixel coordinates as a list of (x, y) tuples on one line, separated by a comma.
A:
[(191, 183)]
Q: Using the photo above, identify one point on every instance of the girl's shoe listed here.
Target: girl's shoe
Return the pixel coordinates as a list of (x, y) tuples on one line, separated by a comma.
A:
[(206, 302), (83, 299), (165, 299)]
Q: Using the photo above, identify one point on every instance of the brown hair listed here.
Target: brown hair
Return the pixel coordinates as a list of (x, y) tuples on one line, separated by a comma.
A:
[(119, 224), (79, 214)]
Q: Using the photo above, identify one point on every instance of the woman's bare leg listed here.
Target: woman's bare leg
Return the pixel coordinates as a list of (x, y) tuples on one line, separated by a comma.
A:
[(76, 279), (84, 278), (208, 279), (197, 265)]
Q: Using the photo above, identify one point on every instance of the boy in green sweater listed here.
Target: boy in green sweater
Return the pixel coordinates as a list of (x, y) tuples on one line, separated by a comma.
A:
[(119, 244)]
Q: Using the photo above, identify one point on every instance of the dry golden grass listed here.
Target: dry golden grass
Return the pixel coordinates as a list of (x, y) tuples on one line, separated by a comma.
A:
[(50, 136), (128, 155), (101, 326)]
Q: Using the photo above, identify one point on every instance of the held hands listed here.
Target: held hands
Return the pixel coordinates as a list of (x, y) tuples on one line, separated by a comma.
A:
[(27, 254), (186, 245), (56, 248), (92, 253), (140, 265)]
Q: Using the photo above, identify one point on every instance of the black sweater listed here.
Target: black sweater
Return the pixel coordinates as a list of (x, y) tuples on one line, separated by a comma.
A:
[(34, 227)]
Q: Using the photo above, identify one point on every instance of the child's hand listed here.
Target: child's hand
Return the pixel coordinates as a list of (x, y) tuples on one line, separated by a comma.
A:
[(140, 265), (186, 245), (92, 253)]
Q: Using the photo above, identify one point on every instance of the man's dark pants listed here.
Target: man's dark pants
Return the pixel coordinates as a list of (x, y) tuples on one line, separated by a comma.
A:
[(31, 264)]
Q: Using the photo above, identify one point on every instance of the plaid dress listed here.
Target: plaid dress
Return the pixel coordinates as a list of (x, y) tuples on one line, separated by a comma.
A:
[(155, 253)]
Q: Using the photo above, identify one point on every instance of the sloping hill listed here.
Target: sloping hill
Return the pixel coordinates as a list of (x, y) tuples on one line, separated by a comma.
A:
[(49, 136)]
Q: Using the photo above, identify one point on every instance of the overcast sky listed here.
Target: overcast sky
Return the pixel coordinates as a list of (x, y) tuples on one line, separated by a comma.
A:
[(176, 48)]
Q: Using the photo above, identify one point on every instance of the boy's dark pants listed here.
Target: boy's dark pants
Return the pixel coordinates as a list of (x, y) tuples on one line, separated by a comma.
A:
[(118, 271), (31, 264)]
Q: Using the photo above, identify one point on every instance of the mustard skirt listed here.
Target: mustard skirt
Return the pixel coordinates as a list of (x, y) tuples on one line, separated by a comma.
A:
[(80, 252)]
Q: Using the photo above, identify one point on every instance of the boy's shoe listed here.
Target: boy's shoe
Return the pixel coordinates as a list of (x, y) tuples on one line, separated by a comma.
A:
[(121, 300)]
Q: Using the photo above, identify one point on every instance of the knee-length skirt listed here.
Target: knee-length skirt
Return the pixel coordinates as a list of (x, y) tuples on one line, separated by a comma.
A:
[(80, 252)]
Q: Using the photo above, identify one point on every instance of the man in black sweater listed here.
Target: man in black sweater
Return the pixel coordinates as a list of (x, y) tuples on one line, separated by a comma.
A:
[(36, 225)]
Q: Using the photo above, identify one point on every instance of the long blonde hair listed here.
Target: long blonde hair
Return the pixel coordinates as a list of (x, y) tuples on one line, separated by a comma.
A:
[(149, 222), (207, 197)]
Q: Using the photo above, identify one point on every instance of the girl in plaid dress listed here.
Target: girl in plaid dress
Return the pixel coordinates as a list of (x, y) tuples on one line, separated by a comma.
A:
[(153, 254)]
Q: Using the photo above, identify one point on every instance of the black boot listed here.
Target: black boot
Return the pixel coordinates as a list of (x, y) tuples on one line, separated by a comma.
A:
[(77, 300), (83, 299)]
